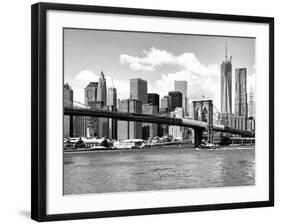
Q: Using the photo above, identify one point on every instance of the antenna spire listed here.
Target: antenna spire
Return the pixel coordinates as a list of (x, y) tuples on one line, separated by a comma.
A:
[(225, 50), (112, 82)]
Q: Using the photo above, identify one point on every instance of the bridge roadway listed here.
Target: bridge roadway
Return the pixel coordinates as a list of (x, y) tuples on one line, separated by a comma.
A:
[(147, 118)]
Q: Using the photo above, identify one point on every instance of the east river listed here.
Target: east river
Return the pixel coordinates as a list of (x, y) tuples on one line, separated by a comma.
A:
[(157, 169)]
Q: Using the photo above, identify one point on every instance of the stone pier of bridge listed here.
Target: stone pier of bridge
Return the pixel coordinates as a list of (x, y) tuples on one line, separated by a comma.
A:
[(203, 111)]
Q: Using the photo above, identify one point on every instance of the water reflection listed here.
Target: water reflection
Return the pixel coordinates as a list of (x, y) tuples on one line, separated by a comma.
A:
[(157, 169)]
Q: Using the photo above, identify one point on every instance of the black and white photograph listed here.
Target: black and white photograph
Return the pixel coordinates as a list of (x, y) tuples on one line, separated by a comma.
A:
[(151, 111)]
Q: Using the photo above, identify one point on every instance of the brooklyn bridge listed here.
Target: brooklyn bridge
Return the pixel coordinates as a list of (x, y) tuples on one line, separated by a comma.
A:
[(202, 121)]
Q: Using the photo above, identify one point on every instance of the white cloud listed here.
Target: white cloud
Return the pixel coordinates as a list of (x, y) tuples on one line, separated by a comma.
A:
[(83, 78), (153, 58), (202, 79), (197, 87)]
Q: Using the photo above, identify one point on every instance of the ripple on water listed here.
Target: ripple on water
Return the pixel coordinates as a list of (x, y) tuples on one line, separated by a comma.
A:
[(157, 170)]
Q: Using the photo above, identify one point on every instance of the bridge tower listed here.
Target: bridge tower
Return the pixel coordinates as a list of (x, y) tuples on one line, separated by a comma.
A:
[(203, 111)]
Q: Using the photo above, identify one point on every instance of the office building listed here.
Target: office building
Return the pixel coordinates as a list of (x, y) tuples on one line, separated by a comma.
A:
[(241, 102), (165, 104), (112, 97), (102, 91), (175, 99), (67, 102), (181, 86), (90, 93), (138, 90), (153, 98)]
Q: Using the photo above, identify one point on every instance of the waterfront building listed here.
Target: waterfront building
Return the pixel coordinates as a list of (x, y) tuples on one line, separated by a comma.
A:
[(79, 126), (175, 99), (241, 102), (252, 104), (226, 85), (129, 129), (149, 130), (102, 91), (90, 93), (251, 124), (67, 102), (182, 86), (138, 90), (153, 98), (177, 132)]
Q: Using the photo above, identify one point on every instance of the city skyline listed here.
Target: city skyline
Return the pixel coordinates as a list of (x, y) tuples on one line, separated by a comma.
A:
[(150, 105), (153, 61)]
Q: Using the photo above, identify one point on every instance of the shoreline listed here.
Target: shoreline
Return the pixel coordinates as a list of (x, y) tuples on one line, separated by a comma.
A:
[(230, 147)]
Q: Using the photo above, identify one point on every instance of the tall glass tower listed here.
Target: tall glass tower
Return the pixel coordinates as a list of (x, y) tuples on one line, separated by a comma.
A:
[(181, 86), (226, 85), (138, 90), (101, 92), (241, 102)]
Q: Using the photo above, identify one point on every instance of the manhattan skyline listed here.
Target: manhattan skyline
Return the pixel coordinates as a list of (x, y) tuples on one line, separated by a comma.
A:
[(158, 58)]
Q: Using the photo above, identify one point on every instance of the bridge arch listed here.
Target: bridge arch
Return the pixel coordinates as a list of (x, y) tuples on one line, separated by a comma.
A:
[(204, 116), (197, 114), (205, 107)]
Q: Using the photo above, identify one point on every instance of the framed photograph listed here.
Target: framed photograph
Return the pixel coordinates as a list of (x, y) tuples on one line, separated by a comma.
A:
[(140, 111)]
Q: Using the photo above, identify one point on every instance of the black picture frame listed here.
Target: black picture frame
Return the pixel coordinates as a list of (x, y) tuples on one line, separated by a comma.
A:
[(39, 108)]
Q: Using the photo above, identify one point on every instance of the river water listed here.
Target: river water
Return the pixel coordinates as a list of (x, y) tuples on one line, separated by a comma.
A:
[(157, 169)]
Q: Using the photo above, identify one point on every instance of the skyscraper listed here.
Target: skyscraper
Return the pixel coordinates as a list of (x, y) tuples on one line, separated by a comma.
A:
[(138, 90), (112, 97), (68, 102), (101, 92), (67, 95), (241, 102), (91, 91), (181, 86), (153, 98), (149, 129), (112, 106), (175, 99), (165, 104), (226, 82), (252, 105), (90, 98)]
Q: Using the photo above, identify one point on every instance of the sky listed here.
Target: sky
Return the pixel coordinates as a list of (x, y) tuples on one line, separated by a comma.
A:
[(158, 58)]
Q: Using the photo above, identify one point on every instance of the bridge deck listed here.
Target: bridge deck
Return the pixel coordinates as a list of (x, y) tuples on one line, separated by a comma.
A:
[(147, 118)]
